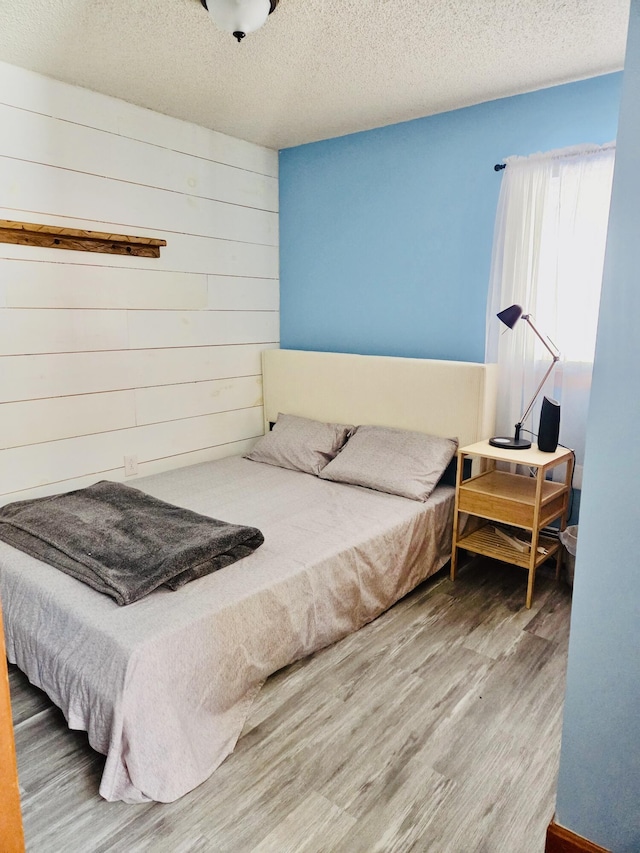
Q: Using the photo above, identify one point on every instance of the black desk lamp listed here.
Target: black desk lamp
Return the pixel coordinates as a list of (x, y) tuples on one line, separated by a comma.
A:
[(510, 317)]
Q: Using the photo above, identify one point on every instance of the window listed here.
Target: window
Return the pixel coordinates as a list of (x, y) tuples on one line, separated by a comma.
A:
[(548, 257)]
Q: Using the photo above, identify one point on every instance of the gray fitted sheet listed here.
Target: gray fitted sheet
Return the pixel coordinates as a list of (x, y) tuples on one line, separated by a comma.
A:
[(163, 686)]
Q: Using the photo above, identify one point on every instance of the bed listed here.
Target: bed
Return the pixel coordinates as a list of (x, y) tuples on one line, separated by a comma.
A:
[(163, 686)]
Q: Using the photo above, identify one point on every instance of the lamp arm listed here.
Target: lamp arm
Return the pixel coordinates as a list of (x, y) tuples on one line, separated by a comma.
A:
[(546, 341), (538, 389), (555, 354)]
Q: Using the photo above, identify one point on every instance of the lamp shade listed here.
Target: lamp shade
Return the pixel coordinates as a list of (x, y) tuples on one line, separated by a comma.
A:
[(510, 315), (239, 16)]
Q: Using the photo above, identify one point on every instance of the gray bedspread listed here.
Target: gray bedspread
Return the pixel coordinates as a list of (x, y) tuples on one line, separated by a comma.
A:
[(123, 542), (164, 686)]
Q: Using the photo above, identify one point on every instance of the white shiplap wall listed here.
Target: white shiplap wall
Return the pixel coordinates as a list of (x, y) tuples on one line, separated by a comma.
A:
[(107, 356)]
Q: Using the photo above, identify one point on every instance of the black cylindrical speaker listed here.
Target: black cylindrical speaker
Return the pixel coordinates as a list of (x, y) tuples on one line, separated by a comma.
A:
[(549, 428)]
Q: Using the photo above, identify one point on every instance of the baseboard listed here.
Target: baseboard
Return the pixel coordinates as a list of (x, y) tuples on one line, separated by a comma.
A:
[(562, 840)]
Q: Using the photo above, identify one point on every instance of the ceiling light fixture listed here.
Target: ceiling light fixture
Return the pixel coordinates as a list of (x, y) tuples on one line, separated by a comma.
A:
[(239, 17)]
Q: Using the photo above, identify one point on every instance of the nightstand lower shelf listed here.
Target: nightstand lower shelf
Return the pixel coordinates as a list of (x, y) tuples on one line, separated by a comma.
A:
[(486, 541)]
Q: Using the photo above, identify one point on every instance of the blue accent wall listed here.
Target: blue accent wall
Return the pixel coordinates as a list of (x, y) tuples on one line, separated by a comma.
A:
[(386, 235), (599, 781)]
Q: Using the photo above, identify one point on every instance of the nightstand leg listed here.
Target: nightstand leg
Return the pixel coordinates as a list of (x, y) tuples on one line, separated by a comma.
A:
[(456, 517), (532, 578), (558, 564), (564, 518), (535, 537)]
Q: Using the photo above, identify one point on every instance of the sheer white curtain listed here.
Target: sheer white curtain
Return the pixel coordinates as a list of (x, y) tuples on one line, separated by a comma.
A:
[(548, 256)]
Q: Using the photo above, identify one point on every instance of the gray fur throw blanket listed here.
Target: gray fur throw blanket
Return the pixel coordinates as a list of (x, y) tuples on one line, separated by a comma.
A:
[(123, 542)]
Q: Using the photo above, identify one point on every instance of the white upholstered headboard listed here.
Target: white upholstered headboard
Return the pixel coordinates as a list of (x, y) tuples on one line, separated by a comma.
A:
[(447, 398)]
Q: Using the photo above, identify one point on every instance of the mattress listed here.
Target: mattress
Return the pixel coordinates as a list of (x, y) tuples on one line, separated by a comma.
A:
[(163, 686)]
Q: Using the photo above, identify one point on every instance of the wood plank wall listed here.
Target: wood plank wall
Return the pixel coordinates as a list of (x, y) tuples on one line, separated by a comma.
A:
[(103, 356)]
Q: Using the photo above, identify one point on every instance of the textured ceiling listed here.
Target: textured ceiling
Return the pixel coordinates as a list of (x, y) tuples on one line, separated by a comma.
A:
[(318, 68)]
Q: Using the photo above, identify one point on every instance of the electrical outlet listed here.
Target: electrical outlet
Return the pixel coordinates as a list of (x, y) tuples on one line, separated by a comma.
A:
[(130, 466)]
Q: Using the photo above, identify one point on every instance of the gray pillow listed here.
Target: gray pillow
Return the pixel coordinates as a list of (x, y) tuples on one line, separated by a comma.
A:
[(392, 460), (300, 444)]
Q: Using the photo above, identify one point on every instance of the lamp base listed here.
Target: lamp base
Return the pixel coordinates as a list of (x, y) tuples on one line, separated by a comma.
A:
[(508, 443)]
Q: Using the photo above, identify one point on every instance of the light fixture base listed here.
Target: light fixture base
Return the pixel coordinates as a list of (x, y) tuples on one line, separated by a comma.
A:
[(509, 443), (239, 17)]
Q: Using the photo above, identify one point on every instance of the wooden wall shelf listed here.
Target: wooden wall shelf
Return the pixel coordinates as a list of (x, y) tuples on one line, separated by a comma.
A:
[(52, 237)]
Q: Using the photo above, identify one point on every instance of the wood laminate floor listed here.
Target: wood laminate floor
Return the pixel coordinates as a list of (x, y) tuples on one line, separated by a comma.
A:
[(434, 729)]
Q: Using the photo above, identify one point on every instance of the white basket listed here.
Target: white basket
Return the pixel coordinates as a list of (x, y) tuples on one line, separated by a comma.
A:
[(569, 539)]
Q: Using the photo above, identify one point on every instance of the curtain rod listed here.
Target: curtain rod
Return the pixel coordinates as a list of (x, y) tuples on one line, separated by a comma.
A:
[(562, 153)]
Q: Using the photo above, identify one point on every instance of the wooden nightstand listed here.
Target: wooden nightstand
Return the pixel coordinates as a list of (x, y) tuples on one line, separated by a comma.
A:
[(500, 500)]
